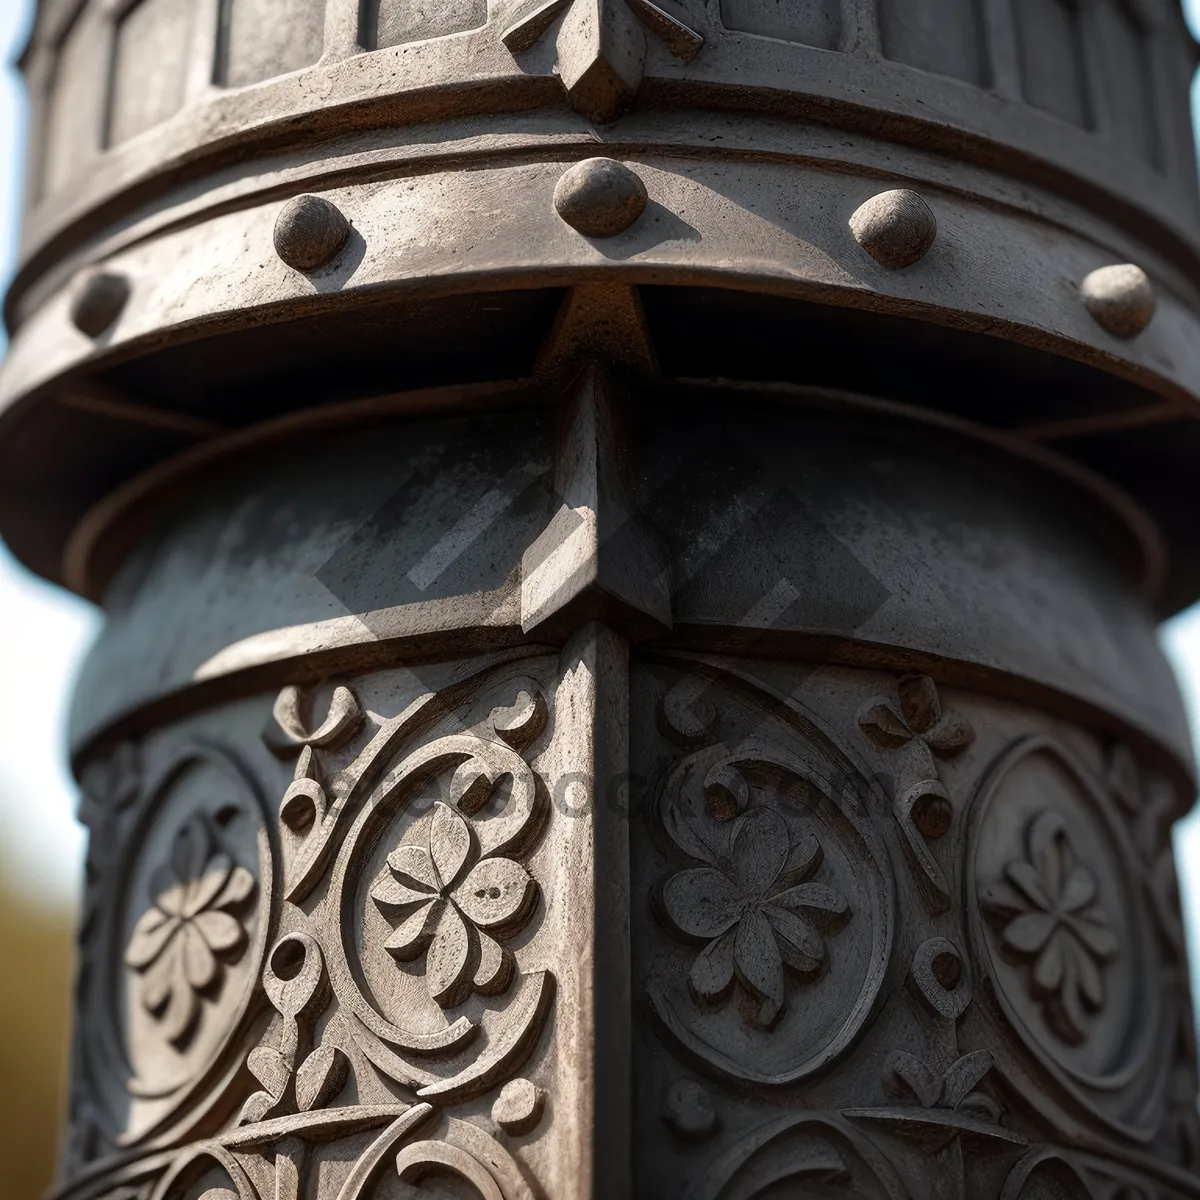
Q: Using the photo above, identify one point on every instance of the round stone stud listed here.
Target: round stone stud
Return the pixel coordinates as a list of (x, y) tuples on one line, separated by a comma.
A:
[(1121, 298), (895, 228), (310, 231), (600, 197), (687, 1111), (518, 1108), (99, 302)]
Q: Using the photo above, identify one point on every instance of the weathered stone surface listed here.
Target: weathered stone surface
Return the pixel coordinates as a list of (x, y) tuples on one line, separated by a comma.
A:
[(309, 232), (895, 228), (1121, 298), (98, 302), (600, 197)]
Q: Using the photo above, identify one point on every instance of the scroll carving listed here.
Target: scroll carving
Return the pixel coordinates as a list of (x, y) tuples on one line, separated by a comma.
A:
[(1026, 1009), (390, 888), (803, 1150), (381, 986), (917, 729)]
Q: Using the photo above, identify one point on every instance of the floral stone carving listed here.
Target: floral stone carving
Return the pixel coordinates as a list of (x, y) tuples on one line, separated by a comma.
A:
[(919, 716), (452, 901), (1062, 937), (774, 903), (1046, 906), (180, 944), (914, 730), (755, 904)]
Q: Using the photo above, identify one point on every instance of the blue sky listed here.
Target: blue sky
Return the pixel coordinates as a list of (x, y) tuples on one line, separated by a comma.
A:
[(44, 632)]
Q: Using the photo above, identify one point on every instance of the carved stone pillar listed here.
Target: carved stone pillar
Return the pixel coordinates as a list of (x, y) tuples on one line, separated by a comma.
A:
[(631, 534)]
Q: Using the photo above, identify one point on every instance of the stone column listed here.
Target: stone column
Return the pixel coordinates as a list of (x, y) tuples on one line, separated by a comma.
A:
[(631, 535)]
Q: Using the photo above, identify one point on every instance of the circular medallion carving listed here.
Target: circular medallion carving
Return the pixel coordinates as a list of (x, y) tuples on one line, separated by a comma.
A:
[(187, 924), (779, 908), (1061, 932)]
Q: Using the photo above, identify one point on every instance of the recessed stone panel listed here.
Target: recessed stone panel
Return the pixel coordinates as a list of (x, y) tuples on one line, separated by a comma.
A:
[(942, 36), (395, 22), (264, 38), (816, 24), (152, 59), (1053, 68), (72, 119)]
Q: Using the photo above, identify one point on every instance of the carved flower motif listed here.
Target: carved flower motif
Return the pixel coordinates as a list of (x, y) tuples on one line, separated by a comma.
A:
[(1046, 909), (920, 716), (180, 943), (453, 901), (757, 912)]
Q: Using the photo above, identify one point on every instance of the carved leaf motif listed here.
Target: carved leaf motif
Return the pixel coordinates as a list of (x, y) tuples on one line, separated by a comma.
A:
[(292, 731), (395, 892), (256, 1108), (952, 734), (320, 1077), (414, 867), (760, 846), (759, 964), (711, 976), (919, 702), (411, 938), (799, 943), (965, 1075), (920, 716), (449, 843), (703, 902), (884, 726), (812, 897), (270, 1068), (905, 1073), (448, 958), (495, 894)]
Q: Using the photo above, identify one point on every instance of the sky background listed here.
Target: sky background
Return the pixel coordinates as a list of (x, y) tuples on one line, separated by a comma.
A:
[(44, 632)]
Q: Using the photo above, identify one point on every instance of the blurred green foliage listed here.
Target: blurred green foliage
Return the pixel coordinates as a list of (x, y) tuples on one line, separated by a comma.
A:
[(35, 985)]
